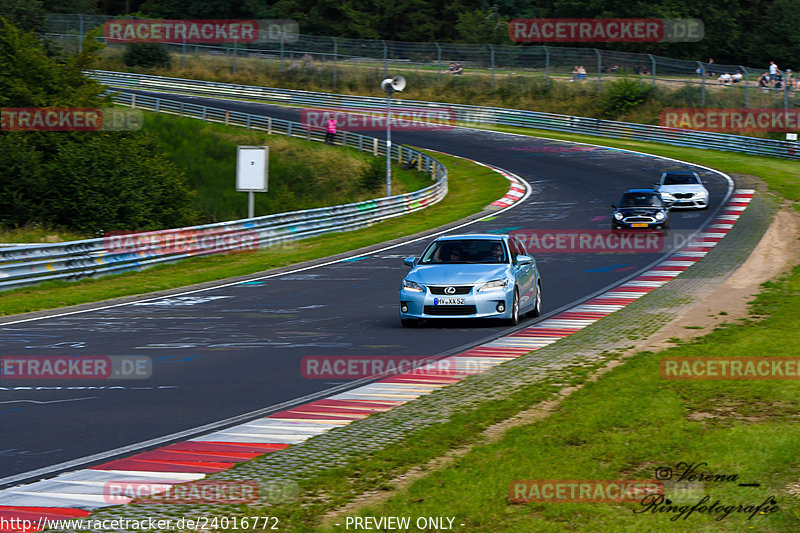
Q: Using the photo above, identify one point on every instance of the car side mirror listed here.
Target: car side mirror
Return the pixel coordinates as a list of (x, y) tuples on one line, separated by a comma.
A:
[(409, 261), (524, 259), (613, 206)]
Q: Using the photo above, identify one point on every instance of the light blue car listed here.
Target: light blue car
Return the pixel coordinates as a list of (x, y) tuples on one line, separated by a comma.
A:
[(471, 276)]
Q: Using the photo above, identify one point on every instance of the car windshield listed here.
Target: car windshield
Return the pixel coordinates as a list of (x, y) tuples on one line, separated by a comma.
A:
[(680, 179), (465, 251), (639, 199)]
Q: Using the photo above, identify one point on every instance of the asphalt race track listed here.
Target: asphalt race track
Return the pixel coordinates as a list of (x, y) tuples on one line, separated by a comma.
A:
[(232, 350)]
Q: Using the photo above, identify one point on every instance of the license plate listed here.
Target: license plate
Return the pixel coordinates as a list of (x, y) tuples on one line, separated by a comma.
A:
[(639, 225), (448, 301)]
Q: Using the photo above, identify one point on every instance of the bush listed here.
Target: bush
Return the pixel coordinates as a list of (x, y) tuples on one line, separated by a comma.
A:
[(622, 95), (148, 55), (374, 174)]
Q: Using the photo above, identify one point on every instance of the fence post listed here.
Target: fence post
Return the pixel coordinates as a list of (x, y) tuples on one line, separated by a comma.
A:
[(335, 60), (281, 52), (234, 57), (746, 87), (599, 70), (183, 51), (491, 50), (80, 33), (702, 84), (438, 62), (546, 66), (385, 60), (653, 69)]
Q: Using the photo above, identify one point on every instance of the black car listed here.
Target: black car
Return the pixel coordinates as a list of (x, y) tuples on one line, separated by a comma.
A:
[(640, 208)]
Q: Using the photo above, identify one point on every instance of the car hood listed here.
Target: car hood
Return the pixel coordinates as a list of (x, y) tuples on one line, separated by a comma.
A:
[(457, 274), (639, 210), (689, 187)]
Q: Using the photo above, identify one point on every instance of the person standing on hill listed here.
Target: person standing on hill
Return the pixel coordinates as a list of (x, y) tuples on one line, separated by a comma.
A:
[(330, 132)]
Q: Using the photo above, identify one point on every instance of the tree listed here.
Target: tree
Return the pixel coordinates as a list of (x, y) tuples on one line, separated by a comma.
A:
[(86, 181)]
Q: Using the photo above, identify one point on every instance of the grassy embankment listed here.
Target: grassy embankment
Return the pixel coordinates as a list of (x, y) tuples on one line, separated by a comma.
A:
[(302, 175), (518, 90)]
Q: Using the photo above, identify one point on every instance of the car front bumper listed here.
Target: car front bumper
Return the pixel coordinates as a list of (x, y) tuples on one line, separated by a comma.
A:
[(475, 304)]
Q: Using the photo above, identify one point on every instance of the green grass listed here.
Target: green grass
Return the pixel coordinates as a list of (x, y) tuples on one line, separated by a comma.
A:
[(632, 421), (471, 188), (302, 175)]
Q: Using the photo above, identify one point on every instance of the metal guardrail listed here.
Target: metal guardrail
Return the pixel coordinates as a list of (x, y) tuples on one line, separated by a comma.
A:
[(28, 265), (469, 115)]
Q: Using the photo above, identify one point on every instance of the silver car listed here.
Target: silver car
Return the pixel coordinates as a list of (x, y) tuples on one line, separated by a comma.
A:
[(471, 276), (683, 189)]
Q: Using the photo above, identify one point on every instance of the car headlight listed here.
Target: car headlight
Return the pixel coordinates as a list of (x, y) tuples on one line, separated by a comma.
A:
[(494, 284), (618, 215), (667, 195), (412, 286), (660, 215)]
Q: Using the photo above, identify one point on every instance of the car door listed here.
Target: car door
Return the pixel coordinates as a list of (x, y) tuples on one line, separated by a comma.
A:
[(524, 273)]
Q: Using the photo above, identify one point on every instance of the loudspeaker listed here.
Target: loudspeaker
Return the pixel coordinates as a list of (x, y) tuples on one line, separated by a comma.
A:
[(390, 85)]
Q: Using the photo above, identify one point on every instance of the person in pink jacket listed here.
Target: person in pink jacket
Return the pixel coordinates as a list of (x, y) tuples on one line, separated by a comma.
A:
[(330, 132)]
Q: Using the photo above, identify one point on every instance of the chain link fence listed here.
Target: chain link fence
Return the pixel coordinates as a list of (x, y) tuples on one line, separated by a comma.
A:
[(334, 59)]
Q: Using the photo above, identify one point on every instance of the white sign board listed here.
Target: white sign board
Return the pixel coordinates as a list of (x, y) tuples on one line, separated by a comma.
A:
[(252, 168), (791, 136)]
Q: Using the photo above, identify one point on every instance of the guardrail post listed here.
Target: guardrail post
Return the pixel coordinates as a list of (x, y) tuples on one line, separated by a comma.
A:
[(227, 116), (438, 62), (269, 125), (385, 60), (546, 67), (335, 60), (156, 106), (247, 122), (133, 101), (746, 86), (491, 55), (375, 147), (653, 68), (599, 71)]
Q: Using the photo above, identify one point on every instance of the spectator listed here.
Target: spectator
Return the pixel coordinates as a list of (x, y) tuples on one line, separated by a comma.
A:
[(763, 81), (455, 69), (773, 71), (581, 72), (575, 73), (330, 132), (736, 78), (725, 79), (710, 66)]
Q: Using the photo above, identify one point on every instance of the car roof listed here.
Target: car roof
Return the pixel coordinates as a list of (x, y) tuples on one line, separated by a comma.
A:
[(483, 236), (679, 172)]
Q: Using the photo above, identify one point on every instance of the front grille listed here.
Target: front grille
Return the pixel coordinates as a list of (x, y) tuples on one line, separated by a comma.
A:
[(459, 290), (459, 310), (640, 219), (683, 195)]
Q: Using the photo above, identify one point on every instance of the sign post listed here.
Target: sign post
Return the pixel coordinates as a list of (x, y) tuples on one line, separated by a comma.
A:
[(252, 172)]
